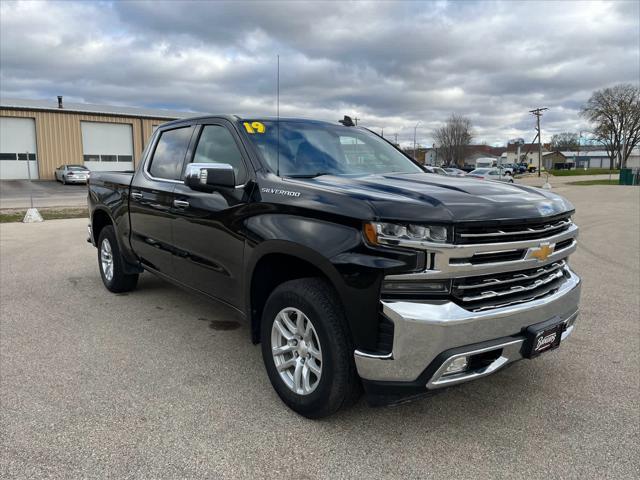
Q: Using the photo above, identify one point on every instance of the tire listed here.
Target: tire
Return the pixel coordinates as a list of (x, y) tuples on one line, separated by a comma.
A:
[(64, 180), (337, 384), (112, 270)]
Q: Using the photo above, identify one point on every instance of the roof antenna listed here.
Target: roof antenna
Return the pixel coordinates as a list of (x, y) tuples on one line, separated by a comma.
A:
[(278, 117)]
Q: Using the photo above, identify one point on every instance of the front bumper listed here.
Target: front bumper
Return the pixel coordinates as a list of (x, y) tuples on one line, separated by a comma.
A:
[(427, 335)]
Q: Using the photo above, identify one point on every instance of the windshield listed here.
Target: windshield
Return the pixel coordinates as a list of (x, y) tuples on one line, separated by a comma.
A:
[(309, 149), (76, 167), (480, 171)]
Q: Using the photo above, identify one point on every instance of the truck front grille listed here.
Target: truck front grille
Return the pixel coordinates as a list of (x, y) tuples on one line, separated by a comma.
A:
[(499, 232), (499, 290)]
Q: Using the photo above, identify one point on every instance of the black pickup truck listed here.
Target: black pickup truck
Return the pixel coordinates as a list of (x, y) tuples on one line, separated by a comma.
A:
[(354, 268)]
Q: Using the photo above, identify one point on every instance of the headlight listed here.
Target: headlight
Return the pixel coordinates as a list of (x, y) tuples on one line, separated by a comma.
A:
[(394, 234)]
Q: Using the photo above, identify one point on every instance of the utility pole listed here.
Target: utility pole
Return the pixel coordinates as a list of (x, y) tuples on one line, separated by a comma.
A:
[(578, 152), (415, 129), (396, 137), (382, 133), (355, 119), (538, 113)]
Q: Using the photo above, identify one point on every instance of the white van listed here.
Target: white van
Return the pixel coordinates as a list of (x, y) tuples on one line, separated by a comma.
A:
[(485, 162)]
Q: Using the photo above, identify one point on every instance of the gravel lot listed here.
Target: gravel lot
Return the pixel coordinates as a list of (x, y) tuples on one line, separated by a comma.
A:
[(160, 383)]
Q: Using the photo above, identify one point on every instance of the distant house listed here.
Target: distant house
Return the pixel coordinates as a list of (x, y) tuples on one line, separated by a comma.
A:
[(552, 160), (528, 153)]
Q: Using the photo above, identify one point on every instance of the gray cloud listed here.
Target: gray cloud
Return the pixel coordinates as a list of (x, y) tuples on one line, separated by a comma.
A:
[(391, 64)]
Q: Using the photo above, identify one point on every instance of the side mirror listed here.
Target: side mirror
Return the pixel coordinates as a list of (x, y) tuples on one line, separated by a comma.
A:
[(206, 177)]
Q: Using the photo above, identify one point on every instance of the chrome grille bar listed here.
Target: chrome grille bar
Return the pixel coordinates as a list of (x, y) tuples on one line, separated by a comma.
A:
[(529, 230), (515, 289), (517, 277)]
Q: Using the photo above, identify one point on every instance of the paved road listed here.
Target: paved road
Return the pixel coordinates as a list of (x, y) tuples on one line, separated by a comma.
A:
[(15, 194), (160, 383)]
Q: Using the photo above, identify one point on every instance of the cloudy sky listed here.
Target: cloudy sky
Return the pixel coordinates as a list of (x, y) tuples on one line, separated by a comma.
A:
[(390, 64)]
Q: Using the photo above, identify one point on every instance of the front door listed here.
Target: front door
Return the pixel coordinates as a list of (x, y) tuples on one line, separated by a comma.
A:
[(208, 226), (152, 196)]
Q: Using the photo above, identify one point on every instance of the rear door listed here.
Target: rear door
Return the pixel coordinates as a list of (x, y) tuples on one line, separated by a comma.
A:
[(208, 225), (151, 197)]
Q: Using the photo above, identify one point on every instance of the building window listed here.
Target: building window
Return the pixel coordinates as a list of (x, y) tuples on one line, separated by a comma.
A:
[(7, 156), (23, 156), (107, 158)]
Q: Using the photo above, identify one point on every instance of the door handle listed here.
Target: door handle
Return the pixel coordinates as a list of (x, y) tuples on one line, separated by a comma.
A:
[(136, 195), (180, 203)]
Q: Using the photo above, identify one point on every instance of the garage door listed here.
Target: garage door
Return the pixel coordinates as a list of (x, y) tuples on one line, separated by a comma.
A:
[(17, 139), (107, 146)]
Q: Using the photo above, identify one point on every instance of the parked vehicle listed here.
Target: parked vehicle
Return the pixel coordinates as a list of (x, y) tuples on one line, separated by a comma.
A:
[(455, 172), (507, 168), (486, 162), (436, 170), (491, 174), (353, 267), (71, 174)]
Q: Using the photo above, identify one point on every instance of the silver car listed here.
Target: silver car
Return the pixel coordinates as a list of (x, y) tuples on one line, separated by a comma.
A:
[(72, 174), (491, 174)]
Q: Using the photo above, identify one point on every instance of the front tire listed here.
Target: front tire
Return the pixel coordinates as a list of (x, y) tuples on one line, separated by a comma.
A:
[(111, 263), (306, 348)]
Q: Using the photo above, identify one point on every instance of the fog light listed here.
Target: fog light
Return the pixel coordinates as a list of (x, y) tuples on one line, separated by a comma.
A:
[(456, 366)]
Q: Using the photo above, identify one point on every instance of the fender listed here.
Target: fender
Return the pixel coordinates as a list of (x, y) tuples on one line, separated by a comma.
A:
[(333, 249), (131, 264)]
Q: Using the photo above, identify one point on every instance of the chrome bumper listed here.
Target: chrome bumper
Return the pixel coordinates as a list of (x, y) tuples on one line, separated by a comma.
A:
[(422, 331)]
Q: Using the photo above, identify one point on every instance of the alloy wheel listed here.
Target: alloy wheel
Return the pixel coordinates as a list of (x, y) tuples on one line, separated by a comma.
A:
[(296, 351)]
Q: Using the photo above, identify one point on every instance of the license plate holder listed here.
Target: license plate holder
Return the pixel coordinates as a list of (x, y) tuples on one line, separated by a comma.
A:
[(542, 338)]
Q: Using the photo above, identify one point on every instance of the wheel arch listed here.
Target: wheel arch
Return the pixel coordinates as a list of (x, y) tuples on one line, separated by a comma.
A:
[(100, 219), (276, 262)]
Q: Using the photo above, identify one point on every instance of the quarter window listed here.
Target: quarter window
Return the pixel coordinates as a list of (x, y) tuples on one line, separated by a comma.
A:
[(216, 145), (169, 154)]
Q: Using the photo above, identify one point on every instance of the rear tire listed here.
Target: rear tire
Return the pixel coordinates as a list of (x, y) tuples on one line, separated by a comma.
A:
[(111, 263), (315, 375), (64, 180)]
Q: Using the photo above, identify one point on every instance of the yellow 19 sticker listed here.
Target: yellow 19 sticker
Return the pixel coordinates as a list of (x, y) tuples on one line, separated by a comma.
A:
[(254, 127)]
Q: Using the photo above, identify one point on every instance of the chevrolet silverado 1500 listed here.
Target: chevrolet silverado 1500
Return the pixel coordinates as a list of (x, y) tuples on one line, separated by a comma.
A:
[(354, 268)]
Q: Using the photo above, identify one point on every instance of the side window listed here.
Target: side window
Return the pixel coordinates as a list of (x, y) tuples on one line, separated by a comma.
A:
[(216, 145), (169, 154)]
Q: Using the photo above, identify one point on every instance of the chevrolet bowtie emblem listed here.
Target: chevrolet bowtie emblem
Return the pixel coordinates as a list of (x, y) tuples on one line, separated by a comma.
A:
[(542, 252)]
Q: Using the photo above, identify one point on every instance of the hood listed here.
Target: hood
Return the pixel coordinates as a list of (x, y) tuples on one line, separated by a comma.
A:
[(430, 197)]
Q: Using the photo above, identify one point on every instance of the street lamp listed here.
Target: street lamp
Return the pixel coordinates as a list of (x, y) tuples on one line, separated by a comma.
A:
[(415, 129)]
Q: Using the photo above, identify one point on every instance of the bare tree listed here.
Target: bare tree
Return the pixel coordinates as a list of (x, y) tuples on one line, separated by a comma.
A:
[(564, 141), (615, 112), (453, 138)]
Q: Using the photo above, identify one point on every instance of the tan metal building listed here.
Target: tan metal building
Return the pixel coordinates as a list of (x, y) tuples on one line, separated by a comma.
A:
[(54, 133)]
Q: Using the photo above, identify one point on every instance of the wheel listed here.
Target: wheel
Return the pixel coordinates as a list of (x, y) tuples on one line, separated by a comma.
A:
[(112, 265), (306, 348), (64, 180), (511, 180)]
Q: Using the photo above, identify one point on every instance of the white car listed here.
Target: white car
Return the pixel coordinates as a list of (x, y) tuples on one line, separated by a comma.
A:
[(71, 174), (490, 174)]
